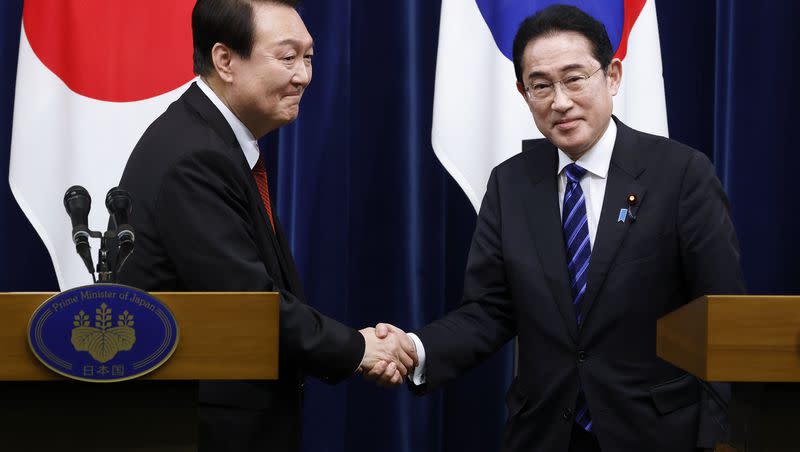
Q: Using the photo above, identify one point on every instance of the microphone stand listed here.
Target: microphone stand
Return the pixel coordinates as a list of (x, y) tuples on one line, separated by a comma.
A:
[(104, 273)]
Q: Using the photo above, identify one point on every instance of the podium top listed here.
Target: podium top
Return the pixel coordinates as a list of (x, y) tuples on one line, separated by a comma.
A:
[(224, 336), (736, 338)]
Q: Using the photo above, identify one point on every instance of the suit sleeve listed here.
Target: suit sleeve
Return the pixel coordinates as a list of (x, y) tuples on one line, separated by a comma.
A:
[(485, 320), (710, 260), (203, 219), (709, 247)]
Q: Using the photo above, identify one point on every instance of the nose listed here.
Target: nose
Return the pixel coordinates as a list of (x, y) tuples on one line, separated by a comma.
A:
[(302, 75), (561, 101)]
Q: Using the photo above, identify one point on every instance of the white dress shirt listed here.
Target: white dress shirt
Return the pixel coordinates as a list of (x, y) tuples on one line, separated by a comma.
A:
[(247, 141), (596, 162)]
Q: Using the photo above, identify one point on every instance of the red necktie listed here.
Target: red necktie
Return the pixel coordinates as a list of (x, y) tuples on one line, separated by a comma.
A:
[(260, 175)]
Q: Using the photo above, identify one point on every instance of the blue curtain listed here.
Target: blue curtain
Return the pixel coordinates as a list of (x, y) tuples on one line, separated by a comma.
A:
[(380, 231), (756, 99)]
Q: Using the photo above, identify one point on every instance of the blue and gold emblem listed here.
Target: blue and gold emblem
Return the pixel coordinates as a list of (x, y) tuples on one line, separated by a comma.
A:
[(103, 333)]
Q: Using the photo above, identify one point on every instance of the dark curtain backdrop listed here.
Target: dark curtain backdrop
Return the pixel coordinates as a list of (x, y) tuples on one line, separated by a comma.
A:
[(380, 231), (757, 96), (378, 228)]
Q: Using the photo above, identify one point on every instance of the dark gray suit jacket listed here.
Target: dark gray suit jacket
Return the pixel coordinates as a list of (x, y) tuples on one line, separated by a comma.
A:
[(682, 245)]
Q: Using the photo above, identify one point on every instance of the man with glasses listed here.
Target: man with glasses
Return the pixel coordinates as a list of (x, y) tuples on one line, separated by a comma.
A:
[(582, 242)]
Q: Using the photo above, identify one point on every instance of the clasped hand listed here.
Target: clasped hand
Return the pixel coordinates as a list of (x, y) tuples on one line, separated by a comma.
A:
[(389, 355)]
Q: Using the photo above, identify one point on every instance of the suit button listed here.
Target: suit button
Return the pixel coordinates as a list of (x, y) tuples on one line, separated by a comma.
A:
[(567, 414), (581, 356)]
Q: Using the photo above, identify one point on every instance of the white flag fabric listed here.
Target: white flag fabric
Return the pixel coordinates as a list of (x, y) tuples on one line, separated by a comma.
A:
[(91, 76), (479, 118)]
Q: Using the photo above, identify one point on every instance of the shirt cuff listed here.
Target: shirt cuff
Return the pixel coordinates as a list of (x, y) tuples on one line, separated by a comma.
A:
[(418, 376)]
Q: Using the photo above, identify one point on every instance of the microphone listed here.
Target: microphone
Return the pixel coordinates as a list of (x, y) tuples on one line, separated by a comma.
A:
[(78, 203), (118, 203)]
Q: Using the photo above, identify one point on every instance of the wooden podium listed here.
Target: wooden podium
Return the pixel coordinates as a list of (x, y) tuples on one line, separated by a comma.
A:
[(223, 336), (753, 342)]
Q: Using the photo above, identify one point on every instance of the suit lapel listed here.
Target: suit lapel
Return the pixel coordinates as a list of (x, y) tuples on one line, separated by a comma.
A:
[(269, 247), (544, 220), (271, 250), (622, 181)]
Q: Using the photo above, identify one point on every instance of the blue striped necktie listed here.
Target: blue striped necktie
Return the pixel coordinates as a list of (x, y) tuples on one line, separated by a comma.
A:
[(579, 252)]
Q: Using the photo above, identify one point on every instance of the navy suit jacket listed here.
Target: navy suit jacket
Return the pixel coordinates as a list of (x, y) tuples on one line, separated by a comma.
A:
[(201, 226), (681, 245)]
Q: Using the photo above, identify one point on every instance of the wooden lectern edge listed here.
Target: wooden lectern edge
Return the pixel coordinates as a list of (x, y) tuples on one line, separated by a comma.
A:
[(198, 356), (680, 333), (734, 338)]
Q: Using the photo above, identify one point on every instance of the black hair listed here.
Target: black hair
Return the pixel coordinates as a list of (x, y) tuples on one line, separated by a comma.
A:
[(229, 22), (556, 18)]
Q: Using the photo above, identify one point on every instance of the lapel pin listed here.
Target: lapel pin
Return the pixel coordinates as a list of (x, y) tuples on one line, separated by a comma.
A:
[(623, 213), (632, 199)]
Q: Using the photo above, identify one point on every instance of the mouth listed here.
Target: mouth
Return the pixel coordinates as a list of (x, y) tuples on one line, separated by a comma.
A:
[(566, 124), (293, 97)]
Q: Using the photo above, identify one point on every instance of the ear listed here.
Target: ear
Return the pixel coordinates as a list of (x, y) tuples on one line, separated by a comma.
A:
[(614, 76), (521, 89), (222, 57)]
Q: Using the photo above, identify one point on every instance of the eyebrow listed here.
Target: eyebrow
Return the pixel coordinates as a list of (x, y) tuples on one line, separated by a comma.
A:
[(294, 42), (566, 68)]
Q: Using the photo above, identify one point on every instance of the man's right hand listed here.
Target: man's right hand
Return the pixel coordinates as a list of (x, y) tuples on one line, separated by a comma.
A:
[(389, 355)]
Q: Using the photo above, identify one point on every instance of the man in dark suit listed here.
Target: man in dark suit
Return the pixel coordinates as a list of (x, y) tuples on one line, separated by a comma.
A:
[(582, 242), (204, 221)]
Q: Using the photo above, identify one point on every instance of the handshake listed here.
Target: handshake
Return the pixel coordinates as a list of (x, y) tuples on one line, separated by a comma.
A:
[(389, 355)]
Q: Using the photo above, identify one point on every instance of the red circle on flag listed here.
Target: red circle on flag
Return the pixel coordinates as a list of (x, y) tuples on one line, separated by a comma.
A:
[(112, 50)]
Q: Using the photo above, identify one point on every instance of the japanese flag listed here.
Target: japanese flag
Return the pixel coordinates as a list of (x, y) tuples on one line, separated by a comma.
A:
[(92, 75)]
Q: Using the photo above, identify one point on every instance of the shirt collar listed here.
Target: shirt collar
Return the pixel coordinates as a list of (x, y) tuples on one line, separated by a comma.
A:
[(246, 140), (597, 159)]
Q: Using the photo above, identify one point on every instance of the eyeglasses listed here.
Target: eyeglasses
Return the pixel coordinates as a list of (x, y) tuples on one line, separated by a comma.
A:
[(573, 84)]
